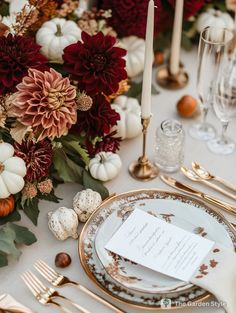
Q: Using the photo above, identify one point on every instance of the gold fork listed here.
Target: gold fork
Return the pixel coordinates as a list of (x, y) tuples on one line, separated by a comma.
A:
[(46, 295), (59, 280)]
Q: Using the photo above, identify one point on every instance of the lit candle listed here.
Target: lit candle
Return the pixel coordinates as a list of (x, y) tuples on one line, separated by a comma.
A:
[(147, 74), (176, 37)]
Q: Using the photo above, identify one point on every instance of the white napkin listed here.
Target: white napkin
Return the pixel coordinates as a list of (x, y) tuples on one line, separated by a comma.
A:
[(7, 302), (217, 274)]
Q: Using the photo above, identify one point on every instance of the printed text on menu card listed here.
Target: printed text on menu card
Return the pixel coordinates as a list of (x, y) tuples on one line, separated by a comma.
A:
[(160, 246)]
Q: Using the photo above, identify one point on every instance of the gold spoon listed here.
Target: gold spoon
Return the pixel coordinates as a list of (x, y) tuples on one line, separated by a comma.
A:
[(204, 174), (194, 177)]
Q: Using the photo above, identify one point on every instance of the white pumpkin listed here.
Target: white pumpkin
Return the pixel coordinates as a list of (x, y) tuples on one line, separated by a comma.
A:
[(135, 54), (55, 35), (129, 125), (105, 166), (12, 171), (214, 18), (85, 202), (63, 223)]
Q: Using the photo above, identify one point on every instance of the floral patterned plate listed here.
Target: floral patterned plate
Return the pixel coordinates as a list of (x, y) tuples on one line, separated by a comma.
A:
[(182, 211), (140, 278)]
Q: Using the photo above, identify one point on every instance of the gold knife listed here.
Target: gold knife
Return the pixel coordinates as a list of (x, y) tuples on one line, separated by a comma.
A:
[(194, 192)]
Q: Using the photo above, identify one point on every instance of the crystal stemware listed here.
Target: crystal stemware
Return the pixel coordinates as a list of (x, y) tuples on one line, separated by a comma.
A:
[(224, 105), (212, 45)]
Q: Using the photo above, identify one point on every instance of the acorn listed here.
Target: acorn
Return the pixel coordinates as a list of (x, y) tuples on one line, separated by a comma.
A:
[(187, 106), (62, 260)]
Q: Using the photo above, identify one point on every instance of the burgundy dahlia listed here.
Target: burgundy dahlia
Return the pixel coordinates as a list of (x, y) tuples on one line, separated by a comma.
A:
[(129, 17), (109, 143), (98, 120), (96, 64), (17, 55), (37, 157), (191, 7)]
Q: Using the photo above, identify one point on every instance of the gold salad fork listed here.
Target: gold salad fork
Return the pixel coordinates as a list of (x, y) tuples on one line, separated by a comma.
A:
[(47, 295), (59, 280)]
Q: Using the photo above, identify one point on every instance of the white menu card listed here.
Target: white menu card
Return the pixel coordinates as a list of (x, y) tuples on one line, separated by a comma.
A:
[(160, 246)]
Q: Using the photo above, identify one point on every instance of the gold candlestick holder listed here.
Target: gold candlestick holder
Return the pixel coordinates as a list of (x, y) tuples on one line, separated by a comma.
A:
[(143, 169), (172, 82)]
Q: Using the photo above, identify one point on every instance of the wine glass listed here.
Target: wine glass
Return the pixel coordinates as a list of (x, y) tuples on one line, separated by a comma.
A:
[(212, 45), (224, 105)]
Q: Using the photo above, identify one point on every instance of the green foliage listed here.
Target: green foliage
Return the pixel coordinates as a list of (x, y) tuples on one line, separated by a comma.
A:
[(30, 208), (4, 8), (13, 217), (67, 169), (94, 184), (10, 236), (72, 146)]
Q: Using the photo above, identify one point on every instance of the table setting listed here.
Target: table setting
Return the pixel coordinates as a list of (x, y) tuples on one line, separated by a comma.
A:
[(117, 156)]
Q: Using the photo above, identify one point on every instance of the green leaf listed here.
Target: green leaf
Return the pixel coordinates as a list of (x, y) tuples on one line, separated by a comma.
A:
[(59, 68), (186, 42), (135, 90), (94, 184), (49, 197), (154, 90), (3, 259), (7, 245), (23, 235), (13, 217), (30, 207), (4, 8), (74, 146), (67, 170)]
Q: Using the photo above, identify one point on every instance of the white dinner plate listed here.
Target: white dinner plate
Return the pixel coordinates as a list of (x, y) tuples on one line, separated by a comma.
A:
[(183, 211)]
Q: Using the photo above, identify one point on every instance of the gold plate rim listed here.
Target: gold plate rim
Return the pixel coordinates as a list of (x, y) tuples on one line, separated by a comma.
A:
[(132, 192)]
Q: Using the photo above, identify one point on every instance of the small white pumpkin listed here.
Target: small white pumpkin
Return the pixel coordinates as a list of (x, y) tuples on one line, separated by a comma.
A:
[(12, 171), (85, 202), (63, 223), (129, 125), (55, 35), (135, 54), (105, 166), (214, 18)]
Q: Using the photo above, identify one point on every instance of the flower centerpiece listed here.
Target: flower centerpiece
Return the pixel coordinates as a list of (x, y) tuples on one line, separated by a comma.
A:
[(57, 81)]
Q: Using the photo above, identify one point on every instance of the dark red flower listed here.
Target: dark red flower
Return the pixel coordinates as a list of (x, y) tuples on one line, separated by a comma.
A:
[(109, 143), (191, 7), (17, 55), (96, 64), (129, 17), (98, 120), (37, 157)]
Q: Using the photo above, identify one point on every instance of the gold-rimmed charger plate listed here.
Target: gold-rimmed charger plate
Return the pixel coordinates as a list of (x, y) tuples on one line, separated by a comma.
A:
[(124, 203)]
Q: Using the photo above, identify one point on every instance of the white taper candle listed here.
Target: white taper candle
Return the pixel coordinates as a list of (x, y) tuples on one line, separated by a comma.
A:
[(176, 37), (147, 74)]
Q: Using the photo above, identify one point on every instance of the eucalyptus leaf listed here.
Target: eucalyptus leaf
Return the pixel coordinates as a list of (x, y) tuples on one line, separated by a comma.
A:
[(23, 235), (94, 184), (7, 242), (3, 259), (13, 217)]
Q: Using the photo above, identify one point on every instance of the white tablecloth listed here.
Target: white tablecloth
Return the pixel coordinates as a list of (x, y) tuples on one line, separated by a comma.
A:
[(163, 107)]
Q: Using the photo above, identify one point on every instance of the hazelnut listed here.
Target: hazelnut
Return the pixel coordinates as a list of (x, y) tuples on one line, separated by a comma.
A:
[(187, 106), (62, 259), (159, 58)]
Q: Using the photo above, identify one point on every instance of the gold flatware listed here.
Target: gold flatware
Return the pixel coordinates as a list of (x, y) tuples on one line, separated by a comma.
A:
[(58, 280), (188, 189), (194, 177), (47, 295), (204, 174)]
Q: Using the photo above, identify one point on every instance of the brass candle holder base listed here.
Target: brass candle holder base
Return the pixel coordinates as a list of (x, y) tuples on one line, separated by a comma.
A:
[(143, 169), (173, 82)]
